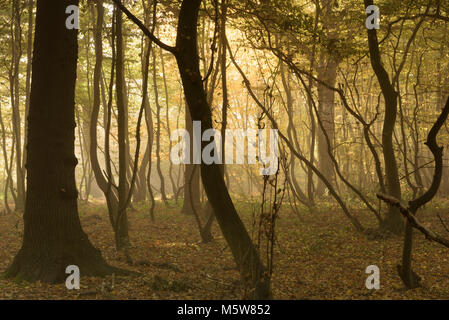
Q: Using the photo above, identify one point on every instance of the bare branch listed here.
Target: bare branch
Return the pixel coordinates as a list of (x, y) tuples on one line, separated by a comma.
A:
[(144, 29), (415, 223)]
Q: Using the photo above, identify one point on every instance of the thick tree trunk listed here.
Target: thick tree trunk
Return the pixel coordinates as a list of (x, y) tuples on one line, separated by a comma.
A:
[(53, 237)]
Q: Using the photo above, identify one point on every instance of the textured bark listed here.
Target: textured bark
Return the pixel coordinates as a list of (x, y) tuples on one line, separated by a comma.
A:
[(53, 237)]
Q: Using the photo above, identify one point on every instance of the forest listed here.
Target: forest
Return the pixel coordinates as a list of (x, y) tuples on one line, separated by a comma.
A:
[(224, 150)]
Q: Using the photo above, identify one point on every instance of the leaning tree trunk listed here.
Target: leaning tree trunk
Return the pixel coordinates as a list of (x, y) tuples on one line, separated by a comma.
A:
[(53, 238), (245, 254), (253, 272)]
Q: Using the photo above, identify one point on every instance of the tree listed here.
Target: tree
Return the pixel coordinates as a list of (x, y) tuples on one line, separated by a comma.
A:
[(16, 46), (327, 72), (121, 230), (394, 221), (253, 272), (53, 237), (192, 200)]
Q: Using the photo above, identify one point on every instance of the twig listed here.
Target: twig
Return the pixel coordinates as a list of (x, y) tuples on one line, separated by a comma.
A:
[(442, 222)]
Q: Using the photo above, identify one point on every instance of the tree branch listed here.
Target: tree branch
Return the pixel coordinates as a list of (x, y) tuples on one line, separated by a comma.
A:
[(415, 223), (414, 205), (144, 29)]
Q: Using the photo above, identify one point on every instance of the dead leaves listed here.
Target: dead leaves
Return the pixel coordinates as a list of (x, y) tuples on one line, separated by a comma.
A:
[(319, 258)]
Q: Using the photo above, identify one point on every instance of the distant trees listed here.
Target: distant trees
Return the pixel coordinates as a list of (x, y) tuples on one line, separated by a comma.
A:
[(17, 51)]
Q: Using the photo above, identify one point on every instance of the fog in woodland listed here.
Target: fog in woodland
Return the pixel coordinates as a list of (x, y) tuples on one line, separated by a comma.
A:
[(221, 149)]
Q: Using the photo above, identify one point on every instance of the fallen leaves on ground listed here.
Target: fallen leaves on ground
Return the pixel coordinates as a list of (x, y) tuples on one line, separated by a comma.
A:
[(320, 257)]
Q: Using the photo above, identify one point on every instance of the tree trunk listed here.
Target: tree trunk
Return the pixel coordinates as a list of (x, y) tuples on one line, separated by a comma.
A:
[(158, 131), (327, 72), (28, 75), (102, 181), (167, 120), (252, 270), (122, 238), (191, 177), (393, 221), (16, 38), (326, 104), (53, 237)]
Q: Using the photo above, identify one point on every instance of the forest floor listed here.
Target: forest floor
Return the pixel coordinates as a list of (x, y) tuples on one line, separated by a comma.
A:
[(320, 256)]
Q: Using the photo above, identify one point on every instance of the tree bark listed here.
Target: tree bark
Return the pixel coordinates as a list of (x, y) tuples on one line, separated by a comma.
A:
[(253, 272), (245, 254), (53, 237)]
